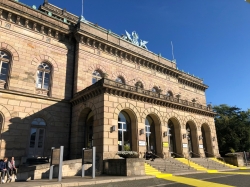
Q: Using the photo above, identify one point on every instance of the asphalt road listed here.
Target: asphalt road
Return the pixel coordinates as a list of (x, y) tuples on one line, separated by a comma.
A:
[(236, 180)]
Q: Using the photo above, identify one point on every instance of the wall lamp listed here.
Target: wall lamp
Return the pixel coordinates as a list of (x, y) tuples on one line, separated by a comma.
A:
[(113, 128), (141, 131), (184, 136), (200, 137), (165, 134)]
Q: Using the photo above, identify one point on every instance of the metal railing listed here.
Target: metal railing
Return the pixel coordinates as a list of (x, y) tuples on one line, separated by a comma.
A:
[(157, 157), (199, 155), (183, 156)]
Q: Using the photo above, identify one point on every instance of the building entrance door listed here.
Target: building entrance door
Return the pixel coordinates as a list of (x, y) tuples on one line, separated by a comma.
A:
[(150, 135), (36, 145), (190, 145)]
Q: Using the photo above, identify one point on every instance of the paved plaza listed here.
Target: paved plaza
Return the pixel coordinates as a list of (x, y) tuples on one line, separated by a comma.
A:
[(236, 178)]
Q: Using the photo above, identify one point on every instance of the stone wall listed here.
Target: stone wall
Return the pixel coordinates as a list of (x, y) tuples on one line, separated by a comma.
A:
[(70, 168), (124, 167)]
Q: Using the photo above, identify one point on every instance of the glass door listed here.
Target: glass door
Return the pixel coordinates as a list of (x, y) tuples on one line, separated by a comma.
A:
[(36, 144)]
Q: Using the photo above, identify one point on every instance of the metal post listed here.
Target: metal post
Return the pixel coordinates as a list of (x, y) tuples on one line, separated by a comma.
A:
[(245, 157), (60, 164), (83, 170), (51, 166), (93, 161)]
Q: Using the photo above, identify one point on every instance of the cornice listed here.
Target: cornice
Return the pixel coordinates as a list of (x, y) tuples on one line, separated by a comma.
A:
[(22, 15), (122, 53), (13, 92), (114, 88)]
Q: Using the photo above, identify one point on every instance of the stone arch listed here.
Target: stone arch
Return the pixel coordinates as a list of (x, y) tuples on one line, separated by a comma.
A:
[(168, 90), (192, 119), (87, 105), (11, 50), (5, 115), (94, 67), (174, 115), (44, 58), (119, 74), (42, 114), (207, 140), (152, 110), (128, 106), (138, 79)]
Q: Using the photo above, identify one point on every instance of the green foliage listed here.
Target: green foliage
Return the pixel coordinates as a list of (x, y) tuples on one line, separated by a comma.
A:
[(126, 147), (233, 129)]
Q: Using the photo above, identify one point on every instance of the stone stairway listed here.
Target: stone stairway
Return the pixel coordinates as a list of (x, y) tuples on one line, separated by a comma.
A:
[(170, 165), (211, 164), (229, 166)]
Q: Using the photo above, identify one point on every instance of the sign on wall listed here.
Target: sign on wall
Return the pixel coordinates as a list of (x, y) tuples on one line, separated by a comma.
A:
[(184, 145), (142, 143), (165, 144)]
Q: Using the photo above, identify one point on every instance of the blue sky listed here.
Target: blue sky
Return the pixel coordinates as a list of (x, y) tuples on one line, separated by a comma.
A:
[(211, 38)]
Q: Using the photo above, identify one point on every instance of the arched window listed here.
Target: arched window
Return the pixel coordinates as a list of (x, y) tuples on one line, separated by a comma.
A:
[(89, 130), (96, 76), (120, 80), (155, 89), (43, 76), (124, 132), (37, 136), (169, 94), (4, 68), (139, 84)]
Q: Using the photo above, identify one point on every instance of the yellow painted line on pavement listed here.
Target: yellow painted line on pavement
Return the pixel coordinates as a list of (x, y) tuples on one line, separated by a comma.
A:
[(191, 181), (234, 173)]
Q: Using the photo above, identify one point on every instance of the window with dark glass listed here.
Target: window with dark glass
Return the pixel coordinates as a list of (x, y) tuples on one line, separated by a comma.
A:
[(43, 76), (4, 66), (96, 76), (120, 80)]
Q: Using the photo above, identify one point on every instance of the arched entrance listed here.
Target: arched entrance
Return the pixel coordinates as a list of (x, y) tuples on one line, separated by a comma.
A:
[(88, 134), (174, 138), (150, 134), (207, 140), (193, 147), (124, 132), (153, 134)]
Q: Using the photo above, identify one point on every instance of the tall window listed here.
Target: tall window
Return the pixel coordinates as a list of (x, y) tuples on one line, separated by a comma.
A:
[(150, 134), (43, 76), (120, 80), (4, 67), (124, 132), (96, 76), (89, 130)]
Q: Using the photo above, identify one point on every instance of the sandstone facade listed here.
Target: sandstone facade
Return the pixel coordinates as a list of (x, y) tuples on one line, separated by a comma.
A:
[(93, 75)]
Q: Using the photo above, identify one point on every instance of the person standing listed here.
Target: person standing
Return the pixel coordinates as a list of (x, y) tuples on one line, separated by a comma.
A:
[(4, 170), (12, 167)]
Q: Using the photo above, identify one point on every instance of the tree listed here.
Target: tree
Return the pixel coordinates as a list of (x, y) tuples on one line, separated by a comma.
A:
[(233, 128)]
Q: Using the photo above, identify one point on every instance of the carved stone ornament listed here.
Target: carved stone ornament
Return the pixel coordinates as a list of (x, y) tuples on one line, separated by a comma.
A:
[(134, 39)]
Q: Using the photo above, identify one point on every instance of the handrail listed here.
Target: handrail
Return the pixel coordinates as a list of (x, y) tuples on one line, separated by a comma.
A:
[(201, 157), (158, 157), (223, 160), (209, 153), (184, 157)]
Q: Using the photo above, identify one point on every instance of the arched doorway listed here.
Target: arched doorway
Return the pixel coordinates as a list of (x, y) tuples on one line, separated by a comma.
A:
[(174, 138), (88, 132), (124, 132), (207, 140), (150, 134), (37, 136), (193, 147)]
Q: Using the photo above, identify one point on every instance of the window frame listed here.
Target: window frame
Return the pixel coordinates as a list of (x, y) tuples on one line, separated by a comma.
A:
[(44, 71), (7, 61), (96, 77)]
